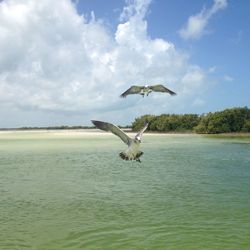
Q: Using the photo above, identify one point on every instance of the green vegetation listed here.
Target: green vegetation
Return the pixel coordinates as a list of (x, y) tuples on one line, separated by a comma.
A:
[(168, 123), (226, 121)]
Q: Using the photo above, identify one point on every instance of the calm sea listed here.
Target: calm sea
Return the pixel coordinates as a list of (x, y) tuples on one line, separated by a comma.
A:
[(72, 191)]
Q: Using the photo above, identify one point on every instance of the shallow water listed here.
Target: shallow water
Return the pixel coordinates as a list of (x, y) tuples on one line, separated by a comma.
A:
[(72, 191)]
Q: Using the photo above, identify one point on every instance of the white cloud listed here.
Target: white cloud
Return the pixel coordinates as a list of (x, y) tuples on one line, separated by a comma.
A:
[(135, 8), (54, 61), (228, 78), (196, 25)]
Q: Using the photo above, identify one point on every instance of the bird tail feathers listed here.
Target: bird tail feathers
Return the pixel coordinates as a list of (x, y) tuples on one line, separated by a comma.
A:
[(125, 157)]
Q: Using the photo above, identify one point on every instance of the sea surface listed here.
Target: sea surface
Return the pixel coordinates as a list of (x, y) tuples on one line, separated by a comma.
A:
[(72, 191)]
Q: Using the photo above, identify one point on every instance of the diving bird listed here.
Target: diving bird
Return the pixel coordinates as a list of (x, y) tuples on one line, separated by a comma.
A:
[(132, 152), (146, 90)]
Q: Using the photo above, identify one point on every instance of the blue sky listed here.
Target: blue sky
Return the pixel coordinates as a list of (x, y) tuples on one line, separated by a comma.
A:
[(66, 62)]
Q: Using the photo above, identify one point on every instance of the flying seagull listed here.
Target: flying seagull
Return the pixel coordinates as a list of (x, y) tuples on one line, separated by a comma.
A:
[(145, 90), (132, 152)]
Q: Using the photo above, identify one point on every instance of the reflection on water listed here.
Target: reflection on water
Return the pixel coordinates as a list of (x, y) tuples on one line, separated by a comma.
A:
[(74, 192)]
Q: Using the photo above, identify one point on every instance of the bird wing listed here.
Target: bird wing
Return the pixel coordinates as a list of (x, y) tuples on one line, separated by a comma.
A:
[(114, 129), (132, 90), (139, 134), (161, 88)]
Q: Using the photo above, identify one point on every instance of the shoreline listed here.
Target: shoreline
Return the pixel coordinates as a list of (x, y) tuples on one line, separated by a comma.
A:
[(95, 131), (229, 135)]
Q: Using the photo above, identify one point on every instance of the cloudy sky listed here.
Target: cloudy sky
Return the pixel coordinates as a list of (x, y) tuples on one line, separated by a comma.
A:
[(65, 62)]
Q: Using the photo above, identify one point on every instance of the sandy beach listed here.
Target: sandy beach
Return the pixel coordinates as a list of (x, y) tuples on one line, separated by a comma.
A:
[(94, 132), (83, 132)]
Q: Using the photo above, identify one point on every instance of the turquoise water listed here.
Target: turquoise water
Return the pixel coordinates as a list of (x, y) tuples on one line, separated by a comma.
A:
[(72, 191)]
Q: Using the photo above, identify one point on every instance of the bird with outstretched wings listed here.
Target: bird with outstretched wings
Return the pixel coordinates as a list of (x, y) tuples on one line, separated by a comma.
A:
[(132, 152), (146, 90), (132, 90), (114, 129), (161, 88)]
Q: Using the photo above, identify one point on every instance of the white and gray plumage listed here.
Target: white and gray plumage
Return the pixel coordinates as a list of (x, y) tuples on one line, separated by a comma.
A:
[(146, 90), (132, 152)]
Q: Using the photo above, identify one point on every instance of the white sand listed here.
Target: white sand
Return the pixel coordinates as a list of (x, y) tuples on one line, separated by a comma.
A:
[(83, 132)]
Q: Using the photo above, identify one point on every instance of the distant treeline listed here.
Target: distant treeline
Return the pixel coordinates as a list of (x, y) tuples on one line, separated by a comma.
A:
[(50, 128), (57, 128), (226, 121)]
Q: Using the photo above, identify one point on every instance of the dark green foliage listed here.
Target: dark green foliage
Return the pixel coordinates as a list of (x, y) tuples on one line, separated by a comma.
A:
[(228, 120), (139, 122), (167, 123), (246, 126)]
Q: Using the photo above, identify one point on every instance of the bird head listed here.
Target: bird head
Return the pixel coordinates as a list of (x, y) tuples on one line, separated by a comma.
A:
[(138, 139)]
